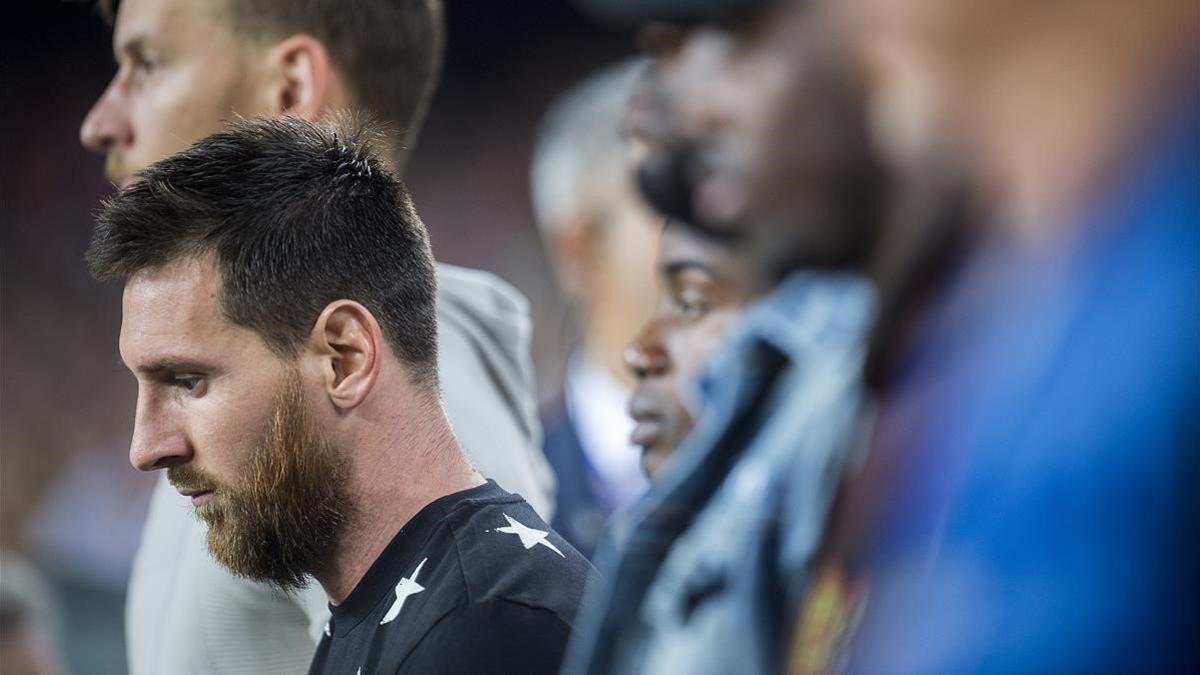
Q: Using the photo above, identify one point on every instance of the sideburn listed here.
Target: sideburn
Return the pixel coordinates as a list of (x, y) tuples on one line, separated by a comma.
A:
[(282, 522)]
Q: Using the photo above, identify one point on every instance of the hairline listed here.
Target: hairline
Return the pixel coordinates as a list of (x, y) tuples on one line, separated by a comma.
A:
[(207, 257)]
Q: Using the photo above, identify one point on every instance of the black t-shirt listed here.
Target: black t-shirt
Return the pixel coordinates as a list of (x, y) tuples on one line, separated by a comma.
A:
[(476, 582)]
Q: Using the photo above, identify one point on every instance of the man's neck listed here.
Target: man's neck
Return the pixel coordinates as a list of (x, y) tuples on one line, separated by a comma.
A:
[(393, 479), (1050, 114)]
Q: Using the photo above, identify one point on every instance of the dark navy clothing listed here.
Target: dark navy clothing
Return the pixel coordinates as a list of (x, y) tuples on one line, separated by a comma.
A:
[(476, 582), (581, 508)]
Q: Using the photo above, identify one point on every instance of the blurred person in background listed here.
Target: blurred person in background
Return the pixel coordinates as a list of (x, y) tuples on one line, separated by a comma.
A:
[(27, 641), (599, 237), (279, 315), (763, 141), (702, 290), (1029, 504), (183, 70)]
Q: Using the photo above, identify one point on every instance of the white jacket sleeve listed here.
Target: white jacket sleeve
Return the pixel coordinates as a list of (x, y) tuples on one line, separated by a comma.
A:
[(487, 382)]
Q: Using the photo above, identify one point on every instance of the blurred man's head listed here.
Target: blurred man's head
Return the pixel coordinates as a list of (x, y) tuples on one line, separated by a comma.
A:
[(184, 68), (765, 138), (703, 287), (598, 232), (279, 299), (1037, 102), (663, 161)]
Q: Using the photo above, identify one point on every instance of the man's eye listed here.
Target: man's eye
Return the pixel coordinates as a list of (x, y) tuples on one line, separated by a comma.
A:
[(143, 68), (190, 383), (692, 306)]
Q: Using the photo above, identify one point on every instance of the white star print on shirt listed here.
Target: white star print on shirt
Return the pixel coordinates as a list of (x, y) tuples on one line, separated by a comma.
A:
[(529, 536), (407, 586)]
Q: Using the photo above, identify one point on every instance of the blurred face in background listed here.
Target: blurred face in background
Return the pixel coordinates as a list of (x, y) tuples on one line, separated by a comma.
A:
[(663, 158), (958, 27), (702, 290), (911, 53), (767, 141), (180, 74)]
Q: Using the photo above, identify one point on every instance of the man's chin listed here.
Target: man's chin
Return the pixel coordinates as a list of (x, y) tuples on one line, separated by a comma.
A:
[(212, 515), (653, 459), (244, 556)]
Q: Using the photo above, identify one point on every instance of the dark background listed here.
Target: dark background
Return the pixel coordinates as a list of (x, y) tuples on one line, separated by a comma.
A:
[(69, 501)]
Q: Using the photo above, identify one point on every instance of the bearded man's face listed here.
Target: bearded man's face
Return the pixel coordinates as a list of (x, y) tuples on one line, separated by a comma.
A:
[(280, 521), (227, 418)]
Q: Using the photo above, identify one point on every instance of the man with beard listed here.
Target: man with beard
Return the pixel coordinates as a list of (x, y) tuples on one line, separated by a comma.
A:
[(703, 290), (764, 143), (185, 68), (279, 316)]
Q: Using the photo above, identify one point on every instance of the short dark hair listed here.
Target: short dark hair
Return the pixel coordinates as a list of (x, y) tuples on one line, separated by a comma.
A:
[(389, 50), (298, 215)]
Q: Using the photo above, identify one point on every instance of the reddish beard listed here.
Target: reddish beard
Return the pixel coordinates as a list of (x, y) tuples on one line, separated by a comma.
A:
[(282, 521)]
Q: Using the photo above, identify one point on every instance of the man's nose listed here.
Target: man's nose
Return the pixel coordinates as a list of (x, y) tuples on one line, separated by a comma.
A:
[(646, 356), (107, 123), (158, 443), (705, 88)]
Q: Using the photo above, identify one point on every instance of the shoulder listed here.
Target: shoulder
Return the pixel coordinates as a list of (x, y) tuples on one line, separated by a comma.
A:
[(504, 635), (487, 381), (508, 553), (480, 312), (480, 294)]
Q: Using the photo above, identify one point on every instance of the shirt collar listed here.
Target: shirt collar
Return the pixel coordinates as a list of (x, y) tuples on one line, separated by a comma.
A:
[(400, 557)]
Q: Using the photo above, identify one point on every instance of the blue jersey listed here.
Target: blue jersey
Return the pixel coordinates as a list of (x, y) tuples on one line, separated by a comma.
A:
[(1031, 501)]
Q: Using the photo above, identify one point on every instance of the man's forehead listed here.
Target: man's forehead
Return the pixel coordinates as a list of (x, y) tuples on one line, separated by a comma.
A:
[(172, 313), (681, 243), (180, 296), (164, 22)]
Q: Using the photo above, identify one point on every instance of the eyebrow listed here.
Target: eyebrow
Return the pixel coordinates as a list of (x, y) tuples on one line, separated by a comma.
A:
[(169, 365), (679, 266), (135, 46)]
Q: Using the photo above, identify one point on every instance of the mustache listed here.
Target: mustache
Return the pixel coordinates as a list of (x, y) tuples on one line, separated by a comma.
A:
[(187, 477), (115, 167)]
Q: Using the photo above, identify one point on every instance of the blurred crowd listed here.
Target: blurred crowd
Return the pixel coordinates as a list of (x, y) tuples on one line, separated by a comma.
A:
[(884, 352)]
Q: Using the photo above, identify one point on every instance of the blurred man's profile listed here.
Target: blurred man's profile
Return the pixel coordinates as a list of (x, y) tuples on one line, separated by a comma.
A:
[(599, 236), (761, 143), (702, 290), (1025, 504)]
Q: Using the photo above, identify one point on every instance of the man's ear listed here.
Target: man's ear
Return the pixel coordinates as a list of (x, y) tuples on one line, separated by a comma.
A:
[(301, 78), (574, 247), (349, 342)]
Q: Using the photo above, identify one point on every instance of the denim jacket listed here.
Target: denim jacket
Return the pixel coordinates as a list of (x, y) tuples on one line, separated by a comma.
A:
[(707, 573)]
